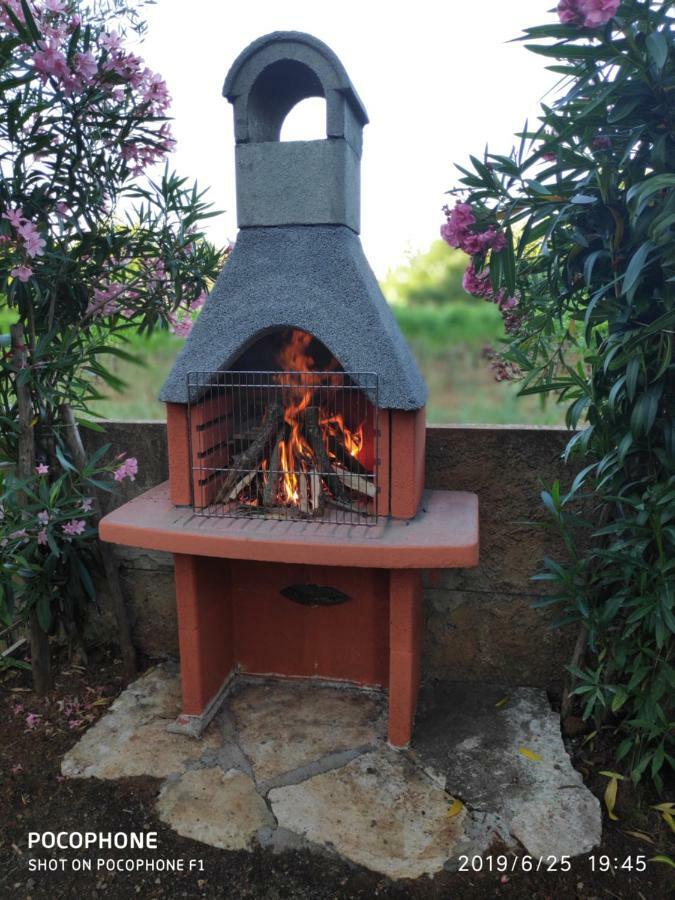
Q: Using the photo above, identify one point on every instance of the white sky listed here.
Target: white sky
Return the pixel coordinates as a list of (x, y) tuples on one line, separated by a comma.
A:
[(438, 79)]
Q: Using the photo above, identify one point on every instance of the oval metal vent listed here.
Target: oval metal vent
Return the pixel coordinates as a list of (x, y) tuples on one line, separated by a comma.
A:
[(314, 595)]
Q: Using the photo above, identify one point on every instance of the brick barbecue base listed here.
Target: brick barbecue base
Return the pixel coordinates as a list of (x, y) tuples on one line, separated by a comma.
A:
[(232, 616)]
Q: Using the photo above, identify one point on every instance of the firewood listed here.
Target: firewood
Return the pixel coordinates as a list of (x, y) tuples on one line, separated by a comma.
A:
[(317, 498), (302, 493), (272, 486), (250, 457), (356, 483), (241, 484), (344, 457), (315, 439), (347, 506)]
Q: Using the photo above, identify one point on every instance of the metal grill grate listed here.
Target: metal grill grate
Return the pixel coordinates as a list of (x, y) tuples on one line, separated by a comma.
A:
[(285, 445)]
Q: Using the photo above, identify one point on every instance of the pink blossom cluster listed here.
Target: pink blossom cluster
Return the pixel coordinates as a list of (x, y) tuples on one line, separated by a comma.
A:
[(479, 284), (457, 231), (503, 369), (107, 65), (590, 13), (142, 154), (128, 469), (50, 61), (180, 327), (105, 302), (74, 527), (33, 243)]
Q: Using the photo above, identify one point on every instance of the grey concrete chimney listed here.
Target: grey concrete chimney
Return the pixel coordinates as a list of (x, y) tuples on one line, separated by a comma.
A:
[(294, 182), (298, 260)]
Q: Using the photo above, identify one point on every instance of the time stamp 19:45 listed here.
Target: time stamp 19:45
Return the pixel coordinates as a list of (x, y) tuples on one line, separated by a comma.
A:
[(508, 863)]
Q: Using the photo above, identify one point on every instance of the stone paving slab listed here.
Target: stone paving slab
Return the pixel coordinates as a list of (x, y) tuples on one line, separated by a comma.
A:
[(379, 811), (283, 726), (218, 808), (501, 751), (290, 765), (131, 738)]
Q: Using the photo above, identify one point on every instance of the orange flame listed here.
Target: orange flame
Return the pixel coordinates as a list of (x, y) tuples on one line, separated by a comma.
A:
[(296, 456)]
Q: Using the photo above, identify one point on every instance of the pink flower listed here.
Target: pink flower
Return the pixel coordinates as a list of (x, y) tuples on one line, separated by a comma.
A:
[(21, 533), (472, 243), (104, 302), (180, 327), (86, 66), (42, 537), (54, 6), (454, 231), (75, 526), (42, 469), (16, 769), (128, 469), (87, 504), (476, 283), (23, 273), (15, 217), (568, 12), (110, 41), (32, 720), (549, 156), (155, 92), (49, 61), (198, 303), (33, 242), (495, 240), (43, 517), (506, 303), (597, 12), (590, 13)]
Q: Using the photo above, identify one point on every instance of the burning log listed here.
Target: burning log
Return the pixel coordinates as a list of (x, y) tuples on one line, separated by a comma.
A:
[(315, 438), (357, 483), (303, 493), (250, 458), (316, 492), (272, 486), (240, 485), (344, 457)]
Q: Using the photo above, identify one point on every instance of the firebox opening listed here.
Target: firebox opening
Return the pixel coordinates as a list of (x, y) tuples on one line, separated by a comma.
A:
[(286, 435)]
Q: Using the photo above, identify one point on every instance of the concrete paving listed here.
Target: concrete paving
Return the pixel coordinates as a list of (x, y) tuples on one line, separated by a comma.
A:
[(293, 765)]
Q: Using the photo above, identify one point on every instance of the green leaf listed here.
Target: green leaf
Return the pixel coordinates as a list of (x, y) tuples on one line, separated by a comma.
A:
[(635, 268), (657, 48)]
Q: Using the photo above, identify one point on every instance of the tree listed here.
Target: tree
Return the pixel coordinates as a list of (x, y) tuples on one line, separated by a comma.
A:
[(430, 278)]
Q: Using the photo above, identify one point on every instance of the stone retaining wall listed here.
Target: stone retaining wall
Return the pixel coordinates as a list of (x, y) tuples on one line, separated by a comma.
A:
[(479, 622)]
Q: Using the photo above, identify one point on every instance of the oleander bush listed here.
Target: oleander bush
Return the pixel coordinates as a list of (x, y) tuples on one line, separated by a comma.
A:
[(95, 243), (572, 236)]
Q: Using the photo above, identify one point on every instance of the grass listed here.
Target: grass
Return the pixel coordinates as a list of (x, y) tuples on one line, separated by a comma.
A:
[(447, 342)]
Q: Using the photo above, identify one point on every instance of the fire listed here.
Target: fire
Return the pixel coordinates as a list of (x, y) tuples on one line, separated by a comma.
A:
[(297, 460)]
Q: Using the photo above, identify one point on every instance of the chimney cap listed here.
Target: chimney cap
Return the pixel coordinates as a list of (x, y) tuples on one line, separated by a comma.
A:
[(280, 69)]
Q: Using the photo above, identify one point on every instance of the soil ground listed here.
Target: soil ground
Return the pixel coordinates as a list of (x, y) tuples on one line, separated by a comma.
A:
[(35, 798)]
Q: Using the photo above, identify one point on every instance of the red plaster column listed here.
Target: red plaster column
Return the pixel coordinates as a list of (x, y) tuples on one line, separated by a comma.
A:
[(405, 637), (179, 453), (205, 628)]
